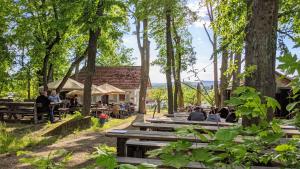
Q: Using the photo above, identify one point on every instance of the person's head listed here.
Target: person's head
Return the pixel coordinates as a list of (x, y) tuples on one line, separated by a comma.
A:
[(53, 93), (75, 95), (43, 93), (197, 109)]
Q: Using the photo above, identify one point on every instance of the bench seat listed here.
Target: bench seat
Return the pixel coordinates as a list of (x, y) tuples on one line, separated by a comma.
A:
[(159, 163)]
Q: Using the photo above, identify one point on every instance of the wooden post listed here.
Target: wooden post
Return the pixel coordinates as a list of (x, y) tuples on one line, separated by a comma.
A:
[(35, 114)]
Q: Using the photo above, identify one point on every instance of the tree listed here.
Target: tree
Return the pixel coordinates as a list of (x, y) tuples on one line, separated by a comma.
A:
[(213, 40), (261, 48), (158, 95)]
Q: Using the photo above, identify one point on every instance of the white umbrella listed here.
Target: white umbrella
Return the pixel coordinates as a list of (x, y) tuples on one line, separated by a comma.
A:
[(95, 91), (110, 89), (69, 85)]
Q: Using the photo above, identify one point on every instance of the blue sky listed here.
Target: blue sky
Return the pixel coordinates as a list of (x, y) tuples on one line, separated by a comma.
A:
[(201, 45)]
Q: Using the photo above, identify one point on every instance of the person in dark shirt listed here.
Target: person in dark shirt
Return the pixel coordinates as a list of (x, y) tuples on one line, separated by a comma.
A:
[(43, 103), (197, 115)]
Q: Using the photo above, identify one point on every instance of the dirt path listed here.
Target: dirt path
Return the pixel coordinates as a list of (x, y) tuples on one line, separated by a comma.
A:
[(80, 144)]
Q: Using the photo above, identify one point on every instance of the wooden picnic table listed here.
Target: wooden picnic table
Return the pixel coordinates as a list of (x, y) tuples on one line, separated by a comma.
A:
[(14, 108), (181, 114), (205, 123), (123, 135), (173, 127)]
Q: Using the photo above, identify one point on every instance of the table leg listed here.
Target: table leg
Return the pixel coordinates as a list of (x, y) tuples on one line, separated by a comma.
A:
[(121, 147)]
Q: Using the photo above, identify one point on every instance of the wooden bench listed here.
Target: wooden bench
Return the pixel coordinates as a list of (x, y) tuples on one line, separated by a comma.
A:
[(205, 123), (12, 109), (159, 163), (202, 128), (138, 148), (123, 135)]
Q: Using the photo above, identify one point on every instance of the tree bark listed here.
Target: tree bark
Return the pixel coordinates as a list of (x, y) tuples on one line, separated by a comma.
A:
[(169, 62), (261, 41), (178, 93), (50, 73), (69, 72), (145, 64), (90, 70), (223, 79), (48, 50), (216, 82), (235, 78), (28, 84)]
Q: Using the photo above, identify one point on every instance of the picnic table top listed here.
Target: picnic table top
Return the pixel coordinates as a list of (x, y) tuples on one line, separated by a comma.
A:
[(206, 123), (153, 135), (288, 132), (185, 121), (17, 103), (168, 136)]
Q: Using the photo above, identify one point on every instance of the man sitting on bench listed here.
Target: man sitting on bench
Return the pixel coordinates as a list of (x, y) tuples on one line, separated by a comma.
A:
[(197, 115), (42, 103)]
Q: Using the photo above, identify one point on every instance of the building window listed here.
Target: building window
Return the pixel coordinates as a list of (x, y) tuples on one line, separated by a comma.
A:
[(122, 97)]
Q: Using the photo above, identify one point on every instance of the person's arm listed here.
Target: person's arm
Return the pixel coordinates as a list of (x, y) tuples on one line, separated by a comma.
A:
[(190, 117)]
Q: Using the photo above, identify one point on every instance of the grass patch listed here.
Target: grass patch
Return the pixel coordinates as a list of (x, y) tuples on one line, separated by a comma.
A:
[(110, 124), (10, 143)]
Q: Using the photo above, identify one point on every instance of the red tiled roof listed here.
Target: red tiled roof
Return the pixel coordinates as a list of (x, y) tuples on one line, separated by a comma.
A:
[(123, 77)]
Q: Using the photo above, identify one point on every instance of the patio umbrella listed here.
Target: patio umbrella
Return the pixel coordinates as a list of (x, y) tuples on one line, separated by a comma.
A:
[(69, 85), (95, 91), (111, 89)]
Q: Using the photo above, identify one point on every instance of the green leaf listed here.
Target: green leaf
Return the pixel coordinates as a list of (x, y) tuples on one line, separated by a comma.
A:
[(201, 155), (226, 135), (177, 160), (127, 166), (271, 102), (147, 166), (291, 106)]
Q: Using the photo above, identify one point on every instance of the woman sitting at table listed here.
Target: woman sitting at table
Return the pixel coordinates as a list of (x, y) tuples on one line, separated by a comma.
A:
[(214, 117), (99, 104), (54, 97)]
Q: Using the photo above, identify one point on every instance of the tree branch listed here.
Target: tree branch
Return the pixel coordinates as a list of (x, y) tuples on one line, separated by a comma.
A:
[(211, 41), (287, 34)]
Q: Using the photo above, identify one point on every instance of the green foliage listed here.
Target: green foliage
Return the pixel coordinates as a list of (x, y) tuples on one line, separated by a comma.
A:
[(106, 157), (290, 64), (77, 115), (158, 94), (248, 103), (47, 162), (9, 143)]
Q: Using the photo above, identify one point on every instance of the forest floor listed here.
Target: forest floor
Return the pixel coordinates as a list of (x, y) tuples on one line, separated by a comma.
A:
[(81, 144)]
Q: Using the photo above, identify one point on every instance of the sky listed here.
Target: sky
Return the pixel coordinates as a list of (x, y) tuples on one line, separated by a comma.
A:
[(200, 43)]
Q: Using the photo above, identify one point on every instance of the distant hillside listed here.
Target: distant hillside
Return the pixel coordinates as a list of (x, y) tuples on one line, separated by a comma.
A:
[(207, 84)]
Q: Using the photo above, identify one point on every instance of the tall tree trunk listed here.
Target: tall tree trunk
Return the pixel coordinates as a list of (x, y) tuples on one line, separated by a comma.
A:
[(175, 97), (169, 62), (48, 50), (90, 70), (50, 73), (216, 79), (28, 83), (223, 79), (235, 78), (145, 64), (69, 72), (177, 79), (260, 49)]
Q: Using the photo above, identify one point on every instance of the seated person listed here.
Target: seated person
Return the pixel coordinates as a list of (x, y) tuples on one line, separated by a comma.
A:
[(54, 97), (74, 101), (197, 115), (223, 112), (231, 118), (214, 117), (99, 104), (43, 103)]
